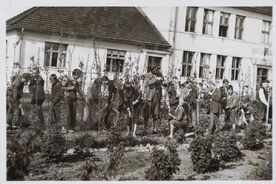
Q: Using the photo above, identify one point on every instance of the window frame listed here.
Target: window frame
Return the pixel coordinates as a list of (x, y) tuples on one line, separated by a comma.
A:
[(238, 28), (203, 66), (206, 21), (187, 62), (265, 32), (235, 69), (109, 67), (189, 20), (220, 67), (52, 51), (223, 15)]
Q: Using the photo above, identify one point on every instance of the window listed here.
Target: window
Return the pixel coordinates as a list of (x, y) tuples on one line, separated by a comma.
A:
[(236, 62), (204, 65), (154, 60), (187, 63), (262, 74), (266, 31), (190, 19), (223, 26), (220, 66), (115, 60), (239, 27), (208, 22), (55, 54)]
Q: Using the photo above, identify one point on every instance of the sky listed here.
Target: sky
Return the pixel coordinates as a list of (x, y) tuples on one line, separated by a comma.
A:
[(11, 12)]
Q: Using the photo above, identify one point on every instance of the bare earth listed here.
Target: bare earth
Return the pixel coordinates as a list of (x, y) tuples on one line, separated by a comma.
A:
[(255, 165)]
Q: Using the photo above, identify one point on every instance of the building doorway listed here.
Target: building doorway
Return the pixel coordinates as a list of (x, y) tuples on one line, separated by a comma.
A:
[(262, 74), (154, 60)]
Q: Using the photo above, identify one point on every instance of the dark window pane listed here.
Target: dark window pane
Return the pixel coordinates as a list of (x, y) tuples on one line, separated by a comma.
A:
[(221, 74), (223, 31), (217, 73), (200, 72), (54, 59), (55, 46), (189, 71), (222, 61), (237, 75), (47, 59), (184, 70), (107, 68), (47, 46)]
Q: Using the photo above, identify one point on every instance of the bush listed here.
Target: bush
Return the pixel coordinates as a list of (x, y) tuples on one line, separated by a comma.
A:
[(54, 145), (203, 158), (225, 147), (254, 135), (164, 163), (116, 156), (20, 149)]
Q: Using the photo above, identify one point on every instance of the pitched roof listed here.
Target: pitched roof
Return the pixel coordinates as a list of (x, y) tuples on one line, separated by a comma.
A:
[(117, 24)]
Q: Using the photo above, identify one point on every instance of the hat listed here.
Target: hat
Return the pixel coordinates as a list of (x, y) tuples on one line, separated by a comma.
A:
[(225, 80), (35, 70), (77, 72), (104, 78), (26, 76), (154, 66), (53, 76)]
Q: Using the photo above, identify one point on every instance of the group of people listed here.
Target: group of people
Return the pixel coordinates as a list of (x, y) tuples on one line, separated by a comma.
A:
[(63, 94), (134, 101)]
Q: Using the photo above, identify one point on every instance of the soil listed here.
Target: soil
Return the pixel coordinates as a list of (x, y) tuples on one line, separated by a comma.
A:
[(255, 165)]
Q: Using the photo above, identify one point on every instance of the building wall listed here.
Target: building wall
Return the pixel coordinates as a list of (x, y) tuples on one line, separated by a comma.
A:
[(171, 23), (79, 50)]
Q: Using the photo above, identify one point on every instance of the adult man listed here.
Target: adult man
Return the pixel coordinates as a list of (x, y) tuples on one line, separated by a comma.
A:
[(231, 108), (153, 96), (36, 88), (217, 103), (264, 98), (57, 95), (15, 94), (71, 88)]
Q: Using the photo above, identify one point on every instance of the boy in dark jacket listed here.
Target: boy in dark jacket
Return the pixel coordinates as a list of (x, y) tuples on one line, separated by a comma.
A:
[(56, 98), (15, 93), (36, 89)]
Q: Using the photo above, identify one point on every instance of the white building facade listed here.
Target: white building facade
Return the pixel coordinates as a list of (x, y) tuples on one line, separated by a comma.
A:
[(61, 53), (231, 43), (77, 51)]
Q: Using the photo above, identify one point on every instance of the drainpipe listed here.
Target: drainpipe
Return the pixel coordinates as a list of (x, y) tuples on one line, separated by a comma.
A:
[(20, 50), (174, 38)]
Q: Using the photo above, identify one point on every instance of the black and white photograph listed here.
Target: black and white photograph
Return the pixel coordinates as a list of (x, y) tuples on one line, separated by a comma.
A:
[(139, 93)]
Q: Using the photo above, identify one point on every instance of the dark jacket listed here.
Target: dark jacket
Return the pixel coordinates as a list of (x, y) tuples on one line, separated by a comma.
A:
[(36, 89), (71, 93), (215, 104), (57, 92), (94, 92), (152, 86), (17, 88)]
